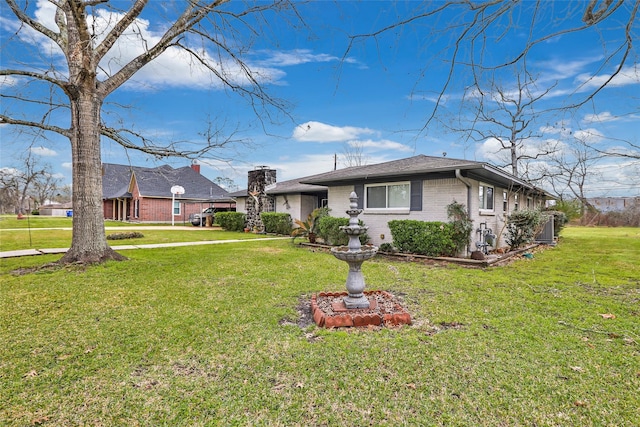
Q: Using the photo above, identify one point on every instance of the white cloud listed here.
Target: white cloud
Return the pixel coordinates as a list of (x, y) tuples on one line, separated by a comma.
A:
[(383, 144), (67, 165), (627, 76), (322, 132), (43, 151), (603, 117), (175, 67), (6, 81), (589, 136), (294, 57), (12, 172), (492, 150)]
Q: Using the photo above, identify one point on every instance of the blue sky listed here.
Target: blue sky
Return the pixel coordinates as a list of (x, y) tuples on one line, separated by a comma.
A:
[(377, 96)]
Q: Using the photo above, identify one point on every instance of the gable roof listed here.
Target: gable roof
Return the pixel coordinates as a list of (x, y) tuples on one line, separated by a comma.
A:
[(157, 182), (420, 166), (294, 186), (286, 187)]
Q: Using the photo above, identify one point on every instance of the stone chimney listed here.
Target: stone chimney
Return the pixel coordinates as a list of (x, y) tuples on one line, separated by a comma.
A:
[(195, 166), (258, 201)]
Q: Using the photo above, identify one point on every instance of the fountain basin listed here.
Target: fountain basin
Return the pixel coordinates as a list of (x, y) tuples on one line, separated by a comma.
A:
[(344, 254), (353, 230)]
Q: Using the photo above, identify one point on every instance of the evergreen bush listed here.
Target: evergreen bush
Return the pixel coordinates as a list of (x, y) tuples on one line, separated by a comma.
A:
[(522, 227), (231, 221), (424, 238), (124, 236), (462, 225), (277, 222), (329, 231)]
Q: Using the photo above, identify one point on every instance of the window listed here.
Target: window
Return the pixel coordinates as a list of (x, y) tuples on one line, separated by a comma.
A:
[(176, 207), (485, 194), (515, 205), (136, 208), (529, 202), (388, 196), (505, 201)]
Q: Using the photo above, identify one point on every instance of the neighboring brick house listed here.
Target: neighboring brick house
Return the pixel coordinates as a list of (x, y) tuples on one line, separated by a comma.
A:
[(139, 194)]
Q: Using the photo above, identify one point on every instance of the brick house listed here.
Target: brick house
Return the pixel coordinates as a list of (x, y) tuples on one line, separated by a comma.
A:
[(418, 187), (139, 194), (421, 187)]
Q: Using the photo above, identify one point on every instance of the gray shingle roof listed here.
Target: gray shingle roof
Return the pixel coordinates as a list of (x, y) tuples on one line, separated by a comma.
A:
[(294, 186), (404, 167), (286, 187), (157, 182), (419, 166)]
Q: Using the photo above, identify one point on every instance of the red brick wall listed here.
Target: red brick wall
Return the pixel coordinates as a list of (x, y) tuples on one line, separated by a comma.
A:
[(107, 209)]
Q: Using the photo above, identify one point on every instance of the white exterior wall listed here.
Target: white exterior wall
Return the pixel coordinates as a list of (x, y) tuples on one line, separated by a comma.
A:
[(436, 195), (241, 204), (299, 206)]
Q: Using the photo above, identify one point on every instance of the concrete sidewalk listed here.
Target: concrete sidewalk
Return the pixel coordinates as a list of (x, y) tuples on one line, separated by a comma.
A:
[(32, 252)]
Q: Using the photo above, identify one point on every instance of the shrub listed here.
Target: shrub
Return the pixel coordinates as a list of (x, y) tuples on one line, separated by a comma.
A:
[(276, 222), (309, 227), (329, 231), (522, 227), (387, 247), (231, 221), (571, 208), (462, 225), (423, 238), (123, 236)]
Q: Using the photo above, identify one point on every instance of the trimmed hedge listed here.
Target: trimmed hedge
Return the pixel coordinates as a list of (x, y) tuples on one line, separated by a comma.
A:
[(329, 231), (424, 238), (231, 221), (124, 236), (277, 222)]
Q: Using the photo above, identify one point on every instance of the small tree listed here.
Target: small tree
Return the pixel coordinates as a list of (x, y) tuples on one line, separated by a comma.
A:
[(462, 225)]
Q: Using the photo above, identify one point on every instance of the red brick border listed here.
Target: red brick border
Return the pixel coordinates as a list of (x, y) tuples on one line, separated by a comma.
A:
[(358, 317)]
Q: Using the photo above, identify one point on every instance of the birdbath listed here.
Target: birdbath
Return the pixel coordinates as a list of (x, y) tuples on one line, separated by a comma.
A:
[(354, 255)]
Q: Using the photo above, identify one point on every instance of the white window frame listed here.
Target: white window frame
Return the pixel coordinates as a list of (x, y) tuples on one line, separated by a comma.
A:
[(176, 204), (505, 201), (136, 208), (388, 209), (482, 200)]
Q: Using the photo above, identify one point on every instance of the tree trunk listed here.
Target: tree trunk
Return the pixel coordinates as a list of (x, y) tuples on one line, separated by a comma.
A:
[(89, 242)]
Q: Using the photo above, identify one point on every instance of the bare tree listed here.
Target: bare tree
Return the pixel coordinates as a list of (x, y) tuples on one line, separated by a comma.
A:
[(570, 170), (46, 188), (211, 34), (505, 114), (472, 30), (19, 184), (353, 154)]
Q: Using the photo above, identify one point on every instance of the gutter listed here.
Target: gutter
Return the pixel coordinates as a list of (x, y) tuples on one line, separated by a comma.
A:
[(468, 184)]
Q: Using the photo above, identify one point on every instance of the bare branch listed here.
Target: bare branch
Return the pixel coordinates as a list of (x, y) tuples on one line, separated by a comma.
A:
[(26, 19), (119, 28), (11, 121)]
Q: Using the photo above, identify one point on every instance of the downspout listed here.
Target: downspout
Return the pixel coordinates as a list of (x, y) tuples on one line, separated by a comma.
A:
[(468, 184)]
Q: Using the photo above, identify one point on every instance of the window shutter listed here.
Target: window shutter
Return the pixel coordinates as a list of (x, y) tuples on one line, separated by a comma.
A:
[(359, 189), (416, 195)]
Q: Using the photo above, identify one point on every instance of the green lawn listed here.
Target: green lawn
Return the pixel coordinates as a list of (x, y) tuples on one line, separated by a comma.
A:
[(50, 232), (208, 336)]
